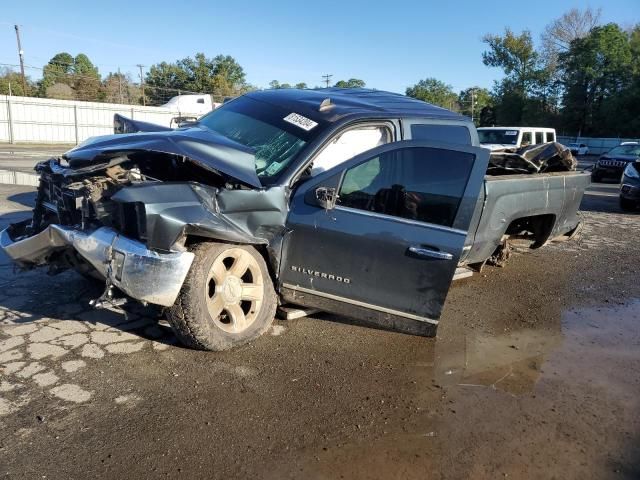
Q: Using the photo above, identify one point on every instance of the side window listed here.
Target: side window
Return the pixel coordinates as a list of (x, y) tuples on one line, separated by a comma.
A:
[(441, 133), (526, 139), (424, 184), (349, 144), (539, 138), (551, 137), (200, 100)]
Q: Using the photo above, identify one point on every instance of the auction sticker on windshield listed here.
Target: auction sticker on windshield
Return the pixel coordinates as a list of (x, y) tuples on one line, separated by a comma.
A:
[(511, 132), (300, 121)]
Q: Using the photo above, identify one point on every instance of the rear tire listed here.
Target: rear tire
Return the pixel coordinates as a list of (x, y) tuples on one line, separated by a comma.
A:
[(627, 205), (226, 300)]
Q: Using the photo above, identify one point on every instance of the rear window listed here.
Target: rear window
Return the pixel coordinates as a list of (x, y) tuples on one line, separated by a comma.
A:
[(551, 137), (539, 137), (441, 133)]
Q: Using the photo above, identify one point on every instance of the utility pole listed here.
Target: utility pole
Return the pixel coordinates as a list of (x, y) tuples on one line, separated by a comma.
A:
[(120, 85), (327, 78), (473, 102), (21, 55), (144, 102)]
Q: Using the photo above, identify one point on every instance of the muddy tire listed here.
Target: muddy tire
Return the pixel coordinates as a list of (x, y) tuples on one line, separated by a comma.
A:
[(227, 298)]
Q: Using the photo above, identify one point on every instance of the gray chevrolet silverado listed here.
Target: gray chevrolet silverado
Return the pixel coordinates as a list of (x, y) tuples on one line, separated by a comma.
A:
[(357, 202)]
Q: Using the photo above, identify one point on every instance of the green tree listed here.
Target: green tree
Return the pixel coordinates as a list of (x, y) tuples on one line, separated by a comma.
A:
[(83, 66), (78, 74), (517, 57), (301, 85), (275, 84), (473, 100), (351, 83), (220, 76), (434, 91), (226, 67), (597, 71), (163, 80), (11, 82), (58, 70), (515, 54), (86, 79)]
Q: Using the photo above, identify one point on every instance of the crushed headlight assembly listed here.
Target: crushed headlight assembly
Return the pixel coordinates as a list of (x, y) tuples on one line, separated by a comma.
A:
[(631, 172)]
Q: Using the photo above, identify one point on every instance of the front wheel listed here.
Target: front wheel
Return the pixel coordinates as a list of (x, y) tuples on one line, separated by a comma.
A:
[(227, 298)]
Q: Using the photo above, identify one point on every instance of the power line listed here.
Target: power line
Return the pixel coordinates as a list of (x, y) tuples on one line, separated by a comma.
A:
[(327, 78)]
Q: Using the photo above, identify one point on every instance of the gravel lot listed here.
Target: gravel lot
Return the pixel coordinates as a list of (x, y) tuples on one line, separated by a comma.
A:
[(535, 374)]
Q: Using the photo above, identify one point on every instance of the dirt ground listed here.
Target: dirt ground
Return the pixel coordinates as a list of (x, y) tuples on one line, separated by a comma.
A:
[(535, 374)]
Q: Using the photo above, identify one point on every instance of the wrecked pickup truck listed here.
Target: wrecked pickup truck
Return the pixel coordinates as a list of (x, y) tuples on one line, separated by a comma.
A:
[(357, 202)]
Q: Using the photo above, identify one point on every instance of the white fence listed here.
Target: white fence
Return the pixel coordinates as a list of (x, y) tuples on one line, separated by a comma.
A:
[(41, 120), (12, 177), (596, 146)]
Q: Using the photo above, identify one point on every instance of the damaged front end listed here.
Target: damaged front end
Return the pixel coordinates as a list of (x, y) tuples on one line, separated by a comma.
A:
[(127, 264), (126, 214)]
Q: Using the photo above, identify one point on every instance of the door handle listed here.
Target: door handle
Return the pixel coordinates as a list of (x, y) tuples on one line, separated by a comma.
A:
[(428, 252)]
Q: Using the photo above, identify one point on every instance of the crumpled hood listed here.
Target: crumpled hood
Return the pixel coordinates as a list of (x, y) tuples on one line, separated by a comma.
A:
[(204, 147)]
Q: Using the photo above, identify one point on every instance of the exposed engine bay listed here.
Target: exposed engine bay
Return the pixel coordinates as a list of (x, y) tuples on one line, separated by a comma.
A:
[(83, 197)]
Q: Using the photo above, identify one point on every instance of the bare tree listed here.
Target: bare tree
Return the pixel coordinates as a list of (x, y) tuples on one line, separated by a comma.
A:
[(60, 91), (574, 24)]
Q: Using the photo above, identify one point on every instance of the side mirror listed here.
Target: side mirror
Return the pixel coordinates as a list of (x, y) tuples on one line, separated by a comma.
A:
[(326, 197)]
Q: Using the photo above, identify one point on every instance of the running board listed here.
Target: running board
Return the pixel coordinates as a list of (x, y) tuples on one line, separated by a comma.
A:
[(292, 312), (462, 272)]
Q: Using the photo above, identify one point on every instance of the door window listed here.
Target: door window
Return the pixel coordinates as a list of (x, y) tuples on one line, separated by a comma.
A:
[(526, 139), (539, 138), (349, 144), (418, 183)]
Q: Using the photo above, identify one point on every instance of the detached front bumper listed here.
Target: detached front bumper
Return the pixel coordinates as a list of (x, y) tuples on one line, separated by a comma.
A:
[(142, 274)]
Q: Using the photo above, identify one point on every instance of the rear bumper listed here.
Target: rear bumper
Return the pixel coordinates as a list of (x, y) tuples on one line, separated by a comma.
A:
[(142, 274)]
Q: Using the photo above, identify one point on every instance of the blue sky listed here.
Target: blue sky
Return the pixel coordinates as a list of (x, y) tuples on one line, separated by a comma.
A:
[(390, 45)]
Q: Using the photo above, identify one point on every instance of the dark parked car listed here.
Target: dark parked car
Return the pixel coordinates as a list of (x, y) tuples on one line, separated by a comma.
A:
[(630, 188), (356, 202), (613, 163)]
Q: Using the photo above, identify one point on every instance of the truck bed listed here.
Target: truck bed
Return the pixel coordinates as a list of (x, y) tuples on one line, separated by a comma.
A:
[(506, 199)]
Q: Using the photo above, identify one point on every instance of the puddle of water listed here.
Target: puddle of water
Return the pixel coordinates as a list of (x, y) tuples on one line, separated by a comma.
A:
[(591, 346), (511, 402)]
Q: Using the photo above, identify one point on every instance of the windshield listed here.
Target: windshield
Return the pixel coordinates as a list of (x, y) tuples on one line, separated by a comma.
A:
[(260, 126), (505, 137), (625, 150)]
